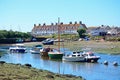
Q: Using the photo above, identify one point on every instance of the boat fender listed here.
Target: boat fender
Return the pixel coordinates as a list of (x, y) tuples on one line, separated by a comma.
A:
[(115, 63), (105, 62)]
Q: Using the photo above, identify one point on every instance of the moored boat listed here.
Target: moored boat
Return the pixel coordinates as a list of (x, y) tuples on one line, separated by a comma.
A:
[(44, 51), (36, 49), (55, 55), (90, 57), (74, 57), (18, 48)]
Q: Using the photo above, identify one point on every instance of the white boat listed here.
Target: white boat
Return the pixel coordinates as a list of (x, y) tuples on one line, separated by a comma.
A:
[(17, 48), (90, 57), (74, 57), (36, 49)]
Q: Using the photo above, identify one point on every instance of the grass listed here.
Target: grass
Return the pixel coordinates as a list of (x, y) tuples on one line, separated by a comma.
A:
[(22, 72)]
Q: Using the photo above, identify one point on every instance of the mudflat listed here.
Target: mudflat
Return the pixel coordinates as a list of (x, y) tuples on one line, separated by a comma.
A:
[(106, 47), (96, 46)]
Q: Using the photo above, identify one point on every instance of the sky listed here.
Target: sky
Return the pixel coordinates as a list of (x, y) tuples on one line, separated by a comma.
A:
[(21, 15)]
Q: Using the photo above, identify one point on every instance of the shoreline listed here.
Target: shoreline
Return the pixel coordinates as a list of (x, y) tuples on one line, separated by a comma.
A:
[(9, 71)]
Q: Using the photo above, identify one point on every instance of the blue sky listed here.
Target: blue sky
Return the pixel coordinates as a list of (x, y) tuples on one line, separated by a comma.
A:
[(21, 15)]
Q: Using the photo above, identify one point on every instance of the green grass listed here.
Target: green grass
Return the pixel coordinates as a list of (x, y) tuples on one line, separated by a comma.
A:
[(20, 72)]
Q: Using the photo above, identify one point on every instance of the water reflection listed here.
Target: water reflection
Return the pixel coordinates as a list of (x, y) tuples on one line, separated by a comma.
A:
[(90, 71)]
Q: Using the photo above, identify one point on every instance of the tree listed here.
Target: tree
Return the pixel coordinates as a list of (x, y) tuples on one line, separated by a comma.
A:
[(81, 33)]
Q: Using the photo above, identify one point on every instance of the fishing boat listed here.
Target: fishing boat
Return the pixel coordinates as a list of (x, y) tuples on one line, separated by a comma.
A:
[(74, 57), (56, 54), (17, 48)]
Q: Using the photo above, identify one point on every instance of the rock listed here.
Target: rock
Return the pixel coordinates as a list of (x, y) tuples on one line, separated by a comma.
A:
[(28, 65), (49, 76), (2, 62)]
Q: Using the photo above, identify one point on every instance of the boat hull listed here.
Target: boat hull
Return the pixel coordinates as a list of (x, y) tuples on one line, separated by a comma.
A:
[(17, 50), (73, 59), (45, 54), (92, 59), (55, 55), (34, 52)]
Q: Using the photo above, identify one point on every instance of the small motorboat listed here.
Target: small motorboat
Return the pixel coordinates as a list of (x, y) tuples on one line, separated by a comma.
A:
[(90, 57), (74, 57), (18, 48), (36, 49)]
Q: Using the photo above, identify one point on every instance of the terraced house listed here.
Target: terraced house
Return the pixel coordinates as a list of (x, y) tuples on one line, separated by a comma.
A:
[(71, 28)]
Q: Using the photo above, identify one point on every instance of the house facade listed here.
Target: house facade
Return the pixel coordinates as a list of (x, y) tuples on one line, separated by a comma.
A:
[(103, 30), (99, 31), (44, 30)]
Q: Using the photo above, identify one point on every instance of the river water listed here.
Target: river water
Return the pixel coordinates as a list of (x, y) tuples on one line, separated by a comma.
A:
[(89, 71)]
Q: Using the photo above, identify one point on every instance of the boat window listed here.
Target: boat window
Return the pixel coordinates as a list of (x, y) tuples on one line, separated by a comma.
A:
[(91, 54), (73, 55), (74, 52), (85, 54), (78, 52)]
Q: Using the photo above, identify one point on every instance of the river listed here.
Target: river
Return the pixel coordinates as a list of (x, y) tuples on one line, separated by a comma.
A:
[(90, 71)]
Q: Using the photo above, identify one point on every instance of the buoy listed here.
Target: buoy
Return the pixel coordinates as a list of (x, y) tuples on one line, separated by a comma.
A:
[(105, 62), (115, 63)]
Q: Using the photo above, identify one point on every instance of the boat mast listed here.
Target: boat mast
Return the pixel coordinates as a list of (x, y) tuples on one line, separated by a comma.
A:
[(58, 34)]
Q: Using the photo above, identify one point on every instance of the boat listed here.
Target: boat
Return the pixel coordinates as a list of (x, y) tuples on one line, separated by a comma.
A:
[(44, 51), (48, 42), (56, 54), (36, 49), (74, 57), (18, 48), (90, 57)]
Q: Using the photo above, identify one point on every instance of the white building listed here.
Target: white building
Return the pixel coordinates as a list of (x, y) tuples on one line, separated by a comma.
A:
[(53, 29)]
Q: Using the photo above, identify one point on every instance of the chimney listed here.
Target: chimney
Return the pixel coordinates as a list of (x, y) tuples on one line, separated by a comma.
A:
[(61, 23), (52, 24), (75, 22), (44, 24), (80, 22), (56, 23), (39, 25), (70, 22), (34, 25)]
